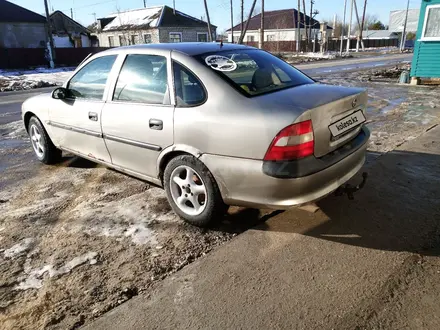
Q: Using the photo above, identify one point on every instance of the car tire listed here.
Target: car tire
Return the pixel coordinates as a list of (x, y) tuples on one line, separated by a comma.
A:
[(42, 145), (193, 192)]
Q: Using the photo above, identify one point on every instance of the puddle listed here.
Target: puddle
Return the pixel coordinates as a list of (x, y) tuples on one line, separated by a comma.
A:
[(12, 143), (392, 105)]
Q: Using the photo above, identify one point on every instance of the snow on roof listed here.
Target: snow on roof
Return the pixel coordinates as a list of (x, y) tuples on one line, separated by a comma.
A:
[(145, 17)]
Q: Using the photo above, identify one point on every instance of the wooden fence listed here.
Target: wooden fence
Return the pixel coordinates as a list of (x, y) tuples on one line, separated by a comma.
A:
[(332, 45)]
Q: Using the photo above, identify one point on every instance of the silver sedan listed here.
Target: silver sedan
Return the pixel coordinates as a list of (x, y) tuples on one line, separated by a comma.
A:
[(214, 124)]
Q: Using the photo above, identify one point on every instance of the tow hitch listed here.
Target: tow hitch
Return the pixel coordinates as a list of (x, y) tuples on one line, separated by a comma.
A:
[(349, 189)]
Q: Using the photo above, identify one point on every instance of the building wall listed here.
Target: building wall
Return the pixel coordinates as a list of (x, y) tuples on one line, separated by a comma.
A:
[(104, 41), (188, 34), (272, 35), (23, 35), (426, 56)]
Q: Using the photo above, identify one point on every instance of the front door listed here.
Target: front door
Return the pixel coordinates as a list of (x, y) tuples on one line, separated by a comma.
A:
[(76, 120), (137, 119)]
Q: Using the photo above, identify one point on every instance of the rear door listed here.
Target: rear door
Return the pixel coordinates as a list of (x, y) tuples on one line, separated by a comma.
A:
[(76, 120), (137, 119)]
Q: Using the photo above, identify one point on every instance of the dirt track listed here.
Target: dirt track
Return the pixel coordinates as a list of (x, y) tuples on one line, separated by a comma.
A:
[(78, 239)]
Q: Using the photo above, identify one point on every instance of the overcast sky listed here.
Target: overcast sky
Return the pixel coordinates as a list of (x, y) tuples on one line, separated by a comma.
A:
[(219, 9)]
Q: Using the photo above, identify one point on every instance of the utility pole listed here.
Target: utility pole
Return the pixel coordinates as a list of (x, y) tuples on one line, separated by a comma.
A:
[(242, 19), (262, 26), (402, 42), (298, 28), (342, 27), (232, 23), (362, 24), (209, 22), (359, 26), (247, 22), (349, 26), (312, 2), (305, 22), (49, 32), (145, 3)]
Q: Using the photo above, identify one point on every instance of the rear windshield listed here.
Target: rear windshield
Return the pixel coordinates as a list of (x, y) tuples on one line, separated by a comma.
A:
[(253, 71)]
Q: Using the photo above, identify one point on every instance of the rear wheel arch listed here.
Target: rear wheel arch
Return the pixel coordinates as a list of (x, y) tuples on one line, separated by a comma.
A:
[(166, 158), (27, 117)]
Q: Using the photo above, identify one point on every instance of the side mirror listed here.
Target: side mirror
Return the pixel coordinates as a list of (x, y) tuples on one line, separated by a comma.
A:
[(59, 93)]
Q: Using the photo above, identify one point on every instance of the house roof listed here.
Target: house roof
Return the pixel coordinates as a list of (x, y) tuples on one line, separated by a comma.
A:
[(279, 20), (151, 17), (379, 34), (10, 12), (57, 12)]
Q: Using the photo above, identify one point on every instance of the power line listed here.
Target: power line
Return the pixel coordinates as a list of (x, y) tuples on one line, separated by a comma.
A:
[(90, 5)]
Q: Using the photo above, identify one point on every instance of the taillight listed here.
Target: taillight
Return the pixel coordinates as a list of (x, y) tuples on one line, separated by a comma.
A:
[(293, 142)]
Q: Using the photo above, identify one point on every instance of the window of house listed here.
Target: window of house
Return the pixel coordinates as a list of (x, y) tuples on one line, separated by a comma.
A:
[(147, 38), (202, 36), (122, 40), (271, 37), (111, 41), (175, 37), (250, 38), (431, 27), (143, 79), (134, 39), (189, 89), (90, 81)]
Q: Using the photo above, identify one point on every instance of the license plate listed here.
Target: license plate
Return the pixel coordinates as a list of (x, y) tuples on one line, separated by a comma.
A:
[(347, 123)]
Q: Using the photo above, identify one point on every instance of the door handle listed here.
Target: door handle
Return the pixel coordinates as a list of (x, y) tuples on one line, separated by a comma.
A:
[(156, 124), (93, 116)]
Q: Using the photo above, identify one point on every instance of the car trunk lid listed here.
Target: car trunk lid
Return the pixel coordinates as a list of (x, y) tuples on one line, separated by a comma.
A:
[(325, 105)]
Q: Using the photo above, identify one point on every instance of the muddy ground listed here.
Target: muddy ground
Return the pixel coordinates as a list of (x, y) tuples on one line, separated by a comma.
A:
[(78, 239)]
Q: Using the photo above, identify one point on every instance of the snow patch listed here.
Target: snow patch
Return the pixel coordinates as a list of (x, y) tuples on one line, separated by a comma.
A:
[(318, 55), (14, 130), (19, 248), (125, 218), (34, 277)]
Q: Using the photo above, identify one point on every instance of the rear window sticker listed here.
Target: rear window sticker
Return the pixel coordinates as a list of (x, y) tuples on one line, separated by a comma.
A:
[(220, 63)]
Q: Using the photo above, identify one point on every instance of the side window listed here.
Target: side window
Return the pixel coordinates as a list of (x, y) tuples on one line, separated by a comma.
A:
[(143, 79), (189, 89), (90, 81)]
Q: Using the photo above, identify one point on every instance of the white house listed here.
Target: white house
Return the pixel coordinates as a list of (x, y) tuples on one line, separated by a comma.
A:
[(279, 25)]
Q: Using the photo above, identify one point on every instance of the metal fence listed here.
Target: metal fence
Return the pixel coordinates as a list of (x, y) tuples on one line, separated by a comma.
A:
[(20, 58)]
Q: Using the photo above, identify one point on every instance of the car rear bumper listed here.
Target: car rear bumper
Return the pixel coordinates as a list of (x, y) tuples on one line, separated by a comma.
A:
[(243, 181)]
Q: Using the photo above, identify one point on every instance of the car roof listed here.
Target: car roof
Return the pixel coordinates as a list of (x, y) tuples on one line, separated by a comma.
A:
[(188, 48)]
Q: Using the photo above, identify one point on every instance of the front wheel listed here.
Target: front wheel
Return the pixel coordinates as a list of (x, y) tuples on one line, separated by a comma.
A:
[(43, 147), (192, 191)]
